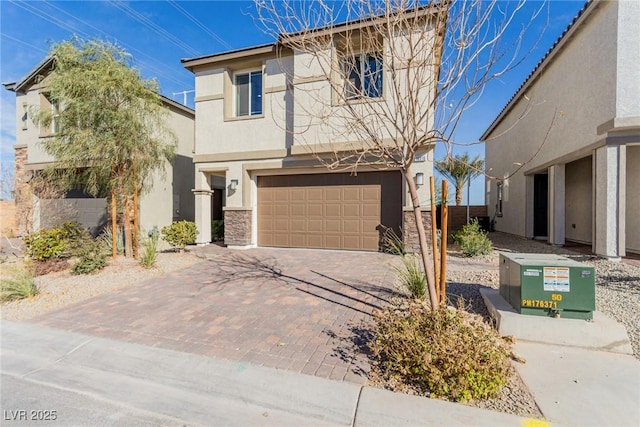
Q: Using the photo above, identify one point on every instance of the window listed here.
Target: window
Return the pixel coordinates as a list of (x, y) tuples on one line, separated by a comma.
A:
[(499, 203), (55, 116), (363, 73), (248, 88)]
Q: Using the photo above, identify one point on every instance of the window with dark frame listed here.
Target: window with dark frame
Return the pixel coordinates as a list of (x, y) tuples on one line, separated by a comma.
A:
[(363, 75), (248, 87)]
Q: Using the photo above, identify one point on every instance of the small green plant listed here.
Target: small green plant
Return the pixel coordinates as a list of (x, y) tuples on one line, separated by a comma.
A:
[(149, 253), (445, 353), (20, 286), (472, 240), (180, 234), (106, 237), (217, 230), (92, 257), (47, 244), (412, 279)]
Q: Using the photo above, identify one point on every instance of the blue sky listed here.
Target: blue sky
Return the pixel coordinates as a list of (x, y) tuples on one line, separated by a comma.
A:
[(159, 33)]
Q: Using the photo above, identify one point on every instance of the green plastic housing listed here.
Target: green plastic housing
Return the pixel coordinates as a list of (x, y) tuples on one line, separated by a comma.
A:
[(548, 285)]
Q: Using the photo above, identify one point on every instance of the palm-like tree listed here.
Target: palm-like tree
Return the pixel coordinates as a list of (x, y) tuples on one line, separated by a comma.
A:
[(459, 169)]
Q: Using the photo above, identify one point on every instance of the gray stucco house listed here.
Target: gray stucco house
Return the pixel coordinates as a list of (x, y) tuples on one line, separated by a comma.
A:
[(564, 154), (169, 199)]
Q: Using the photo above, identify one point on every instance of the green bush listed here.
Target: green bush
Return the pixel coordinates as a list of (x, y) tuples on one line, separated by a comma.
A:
[(444, 353), (20, 286), (472, 240), (92, 257), (217, 230), (180, 234), (47, 244), (149, 253), (412, 279)]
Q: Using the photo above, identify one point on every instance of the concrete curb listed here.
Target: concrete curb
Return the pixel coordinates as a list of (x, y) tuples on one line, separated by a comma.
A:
[(199, 390)]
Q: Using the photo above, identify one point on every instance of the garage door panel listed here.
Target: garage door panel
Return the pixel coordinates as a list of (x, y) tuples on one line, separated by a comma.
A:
[(351, 209), (334, 211)]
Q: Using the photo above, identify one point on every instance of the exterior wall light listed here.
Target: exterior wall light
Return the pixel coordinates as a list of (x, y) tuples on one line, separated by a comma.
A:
[(419, 178), (234, 185)]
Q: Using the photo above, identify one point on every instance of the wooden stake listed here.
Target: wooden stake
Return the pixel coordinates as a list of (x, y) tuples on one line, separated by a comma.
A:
[(434, 233), (443, 242), (135, 213), (114, 226)]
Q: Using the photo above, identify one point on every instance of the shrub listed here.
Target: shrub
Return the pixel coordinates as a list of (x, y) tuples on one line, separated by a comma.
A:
[(217, 230), (392, 243), (180, 234), (150, 250), (22, 285), (442, 353), (412, 279), (472, 240), (92, 257), (106, 238), (46, 244)]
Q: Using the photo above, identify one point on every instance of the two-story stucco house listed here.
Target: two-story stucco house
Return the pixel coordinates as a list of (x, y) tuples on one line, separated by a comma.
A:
[(580, 177), (255, 171), (170, 197)]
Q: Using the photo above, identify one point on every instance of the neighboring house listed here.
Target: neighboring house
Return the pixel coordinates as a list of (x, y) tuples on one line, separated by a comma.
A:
[(170, 197), (255, 171), (580, 178)]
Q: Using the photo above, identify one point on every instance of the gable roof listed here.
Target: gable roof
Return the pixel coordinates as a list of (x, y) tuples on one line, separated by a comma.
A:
[(554, 50), (46, 65)]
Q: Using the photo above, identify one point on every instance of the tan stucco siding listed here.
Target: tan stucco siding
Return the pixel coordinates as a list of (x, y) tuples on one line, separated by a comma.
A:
[(628, 86), (578, 200), (633, 199), (170, 195), (577, 88)]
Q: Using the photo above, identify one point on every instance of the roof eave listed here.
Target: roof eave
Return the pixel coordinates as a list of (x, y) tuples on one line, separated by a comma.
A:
[(542, 65), (191, 63)]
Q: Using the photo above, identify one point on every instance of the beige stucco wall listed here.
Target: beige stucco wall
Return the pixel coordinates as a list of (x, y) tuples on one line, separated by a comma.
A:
[(170, 197), (579, 100), (578, 200), (633, 199)]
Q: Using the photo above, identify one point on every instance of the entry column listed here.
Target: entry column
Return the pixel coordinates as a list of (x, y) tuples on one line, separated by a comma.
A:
[(609, 202), (556, 205), (202, 194)]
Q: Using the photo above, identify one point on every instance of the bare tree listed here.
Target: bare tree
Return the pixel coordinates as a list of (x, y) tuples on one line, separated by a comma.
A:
[(377, 82)]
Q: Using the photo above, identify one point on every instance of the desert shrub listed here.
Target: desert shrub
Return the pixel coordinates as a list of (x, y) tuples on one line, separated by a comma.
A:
[(149, 253), (92, 257), (106, 238), (20, 285), (472, 240), (411, 277), (392, 243), (180, 234), (47, 244), (217, 230), (444, 353)]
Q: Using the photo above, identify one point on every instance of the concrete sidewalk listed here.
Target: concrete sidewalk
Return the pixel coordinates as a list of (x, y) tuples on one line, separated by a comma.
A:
[(141, 385)]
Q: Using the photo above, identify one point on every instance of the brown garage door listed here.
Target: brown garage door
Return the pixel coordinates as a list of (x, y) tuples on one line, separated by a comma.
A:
[(331, 211)]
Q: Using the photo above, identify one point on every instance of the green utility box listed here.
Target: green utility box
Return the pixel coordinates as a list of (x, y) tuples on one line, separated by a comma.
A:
[(548, 285)]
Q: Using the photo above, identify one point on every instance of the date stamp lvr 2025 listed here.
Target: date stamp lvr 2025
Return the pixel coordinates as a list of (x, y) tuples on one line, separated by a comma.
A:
[(29, 415)]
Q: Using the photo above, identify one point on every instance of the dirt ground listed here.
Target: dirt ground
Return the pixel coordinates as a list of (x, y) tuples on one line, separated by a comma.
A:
[(7, 218)]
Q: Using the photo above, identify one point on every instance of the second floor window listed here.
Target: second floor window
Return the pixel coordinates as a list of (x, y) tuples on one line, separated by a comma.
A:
[(55, 116), (248, 88), (363, 73)]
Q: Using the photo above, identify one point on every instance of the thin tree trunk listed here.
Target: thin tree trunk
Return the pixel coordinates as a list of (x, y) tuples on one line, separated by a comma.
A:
[(458, 195), (127, 227), (444, 221), (135, 214), (114, 225), (422, 238), (434, 229)]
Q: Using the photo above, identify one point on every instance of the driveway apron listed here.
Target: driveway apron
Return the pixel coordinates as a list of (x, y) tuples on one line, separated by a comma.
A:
[(301, 310)]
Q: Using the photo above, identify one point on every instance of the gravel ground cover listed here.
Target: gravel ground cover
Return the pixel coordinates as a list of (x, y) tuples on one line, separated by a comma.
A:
[(63, 288)]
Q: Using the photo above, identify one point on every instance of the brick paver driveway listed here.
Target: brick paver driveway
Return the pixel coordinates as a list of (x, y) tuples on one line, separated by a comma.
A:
[(301, 310)]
